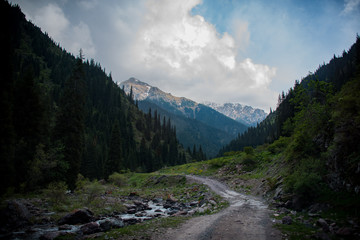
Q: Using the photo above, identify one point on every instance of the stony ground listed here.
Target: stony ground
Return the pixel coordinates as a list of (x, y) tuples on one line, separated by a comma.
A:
[(247, 217)]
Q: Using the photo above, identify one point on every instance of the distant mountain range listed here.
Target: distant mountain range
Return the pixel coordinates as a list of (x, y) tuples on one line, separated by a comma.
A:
[(244, 114), (196, 123)]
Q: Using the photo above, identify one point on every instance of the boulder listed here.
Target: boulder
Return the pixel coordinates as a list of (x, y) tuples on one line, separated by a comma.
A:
[(105, 225), (15, 215), (90, 228), (323, 224), (110, 223), (286, 220), (117, 223), (65, 227), (212, 202), (76, 217), (49, 236), (344, 232)]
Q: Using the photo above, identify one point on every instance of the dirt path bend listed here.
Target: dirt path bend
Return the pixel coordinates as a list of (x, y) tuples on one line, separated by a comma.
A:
[(247, 217)]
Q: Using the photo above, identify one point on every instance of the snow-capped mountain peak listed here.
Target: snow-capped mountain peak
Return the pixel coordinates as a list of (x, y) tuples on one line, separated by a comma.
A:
[(241, 113)]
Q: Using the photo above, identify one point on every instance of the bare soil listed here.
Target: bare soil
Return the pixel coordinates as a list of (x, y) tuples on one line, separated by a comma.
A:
[(247, 217)]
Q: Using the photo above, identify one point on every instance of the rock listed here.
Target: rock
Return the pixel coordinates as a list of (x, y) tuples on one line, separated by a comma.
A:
[(194, 203), (94, 236), (286, 220), (191, 212), (90, 228), (201, 210), (180, 213), (131, 221), (344, 231), (129, 206), (105, 225), (49, 236), (131, 211), (317, 207), (278, 193), (322, 223), (76, 217), (65, 227), (168, 205), (297, 203), (138, 203), (171, 198), (212, 202), (321, 236), (158, 200), (15, 215), (117, 223)]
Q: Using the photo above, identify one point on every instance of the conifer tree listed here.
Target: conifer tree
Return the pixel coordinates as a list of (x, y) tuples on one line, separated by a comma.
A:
[(114, 161), (69, 129)]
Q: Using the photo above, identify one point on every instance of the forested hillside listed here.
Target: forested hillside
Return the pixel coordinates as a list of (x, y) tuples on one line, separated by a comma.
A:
[(61, 115), (317, 126)]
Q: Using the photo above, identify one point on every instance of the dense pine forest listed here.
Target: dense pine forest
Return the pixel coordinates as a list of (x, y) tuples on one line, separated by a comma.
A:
[(317, 125), (63, 115)]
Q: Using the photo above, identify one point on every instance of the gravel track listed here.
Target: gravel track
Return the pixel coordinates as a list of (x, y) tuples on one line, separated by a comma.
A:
[(247, 218)]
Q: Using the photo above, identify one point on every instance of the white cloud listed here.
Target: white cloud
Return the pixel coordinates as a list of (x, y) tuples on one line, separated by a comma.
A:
[(350, 5), (185, 55), (52, 20), (242, 35)]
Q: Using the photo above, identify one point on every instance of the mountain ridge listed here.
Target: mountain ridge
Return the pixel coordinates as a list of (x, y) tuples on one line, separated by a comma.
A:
[(202, 121), (239, 112)]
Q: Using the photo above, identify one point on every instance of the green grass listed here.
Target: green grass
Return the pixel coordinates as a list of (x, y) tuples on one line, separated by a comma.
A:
[(296, 231), (145, 229)]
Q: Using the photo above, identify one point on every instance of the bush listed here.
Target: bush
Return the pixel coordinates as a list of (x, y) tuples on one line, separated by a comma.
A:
[(217, 163), (118, 179), (56, 192), (249, 150), (93, 190), (81, 181), (278, 145), (305, 180), (249, 163)]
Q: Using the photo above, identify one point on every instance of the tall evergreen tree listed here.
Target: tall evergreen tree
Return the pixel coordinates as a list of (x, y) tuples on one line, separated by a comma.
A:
[(114, 161), (69, 128)]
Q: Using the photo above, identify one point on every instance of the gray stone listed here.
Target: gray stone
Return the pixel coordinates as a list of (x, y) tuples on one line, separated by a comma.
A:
[(15, 215), (287, 220), (212, 202), (76, 217), (344, 231), (323, 224), (49, 235), (90, 228)]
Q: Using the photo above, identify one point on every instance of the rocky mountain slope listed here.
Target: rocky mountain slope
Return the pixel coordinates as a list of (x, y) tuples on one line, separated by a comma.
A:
[(244, 114), (196, 123)]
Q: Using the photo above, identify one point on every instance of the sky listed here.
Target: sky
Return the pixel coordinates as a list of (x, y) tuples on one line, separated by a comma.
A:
[(243, 51)]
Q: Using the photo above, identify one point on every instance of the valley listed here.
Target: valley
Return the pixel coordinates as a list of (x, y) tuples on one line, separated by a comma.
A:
[(86, 156)]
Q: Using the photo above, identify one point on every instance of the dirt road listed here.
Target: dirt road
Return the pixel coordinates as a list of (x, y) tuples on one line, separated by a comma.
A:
[(247, 217)]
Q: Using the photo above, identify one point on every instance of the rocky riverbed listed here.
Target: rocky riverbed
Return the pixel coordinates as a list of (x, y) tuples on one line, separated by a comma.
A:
[(33, 219)]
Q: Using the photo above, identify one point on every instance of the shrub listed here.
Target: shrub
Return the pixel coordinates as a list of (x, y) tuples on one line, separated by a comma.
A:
[(81, 181), (93, 190), (305, 180), (278, 145), (249, 163), (56, 192), (271, 182), (118, 179), (249, 150), (217, 163)]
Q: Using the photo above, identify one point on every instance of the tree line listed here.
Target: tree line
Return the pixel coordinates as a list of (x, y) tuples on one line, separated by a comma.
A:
[(62, 115)]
